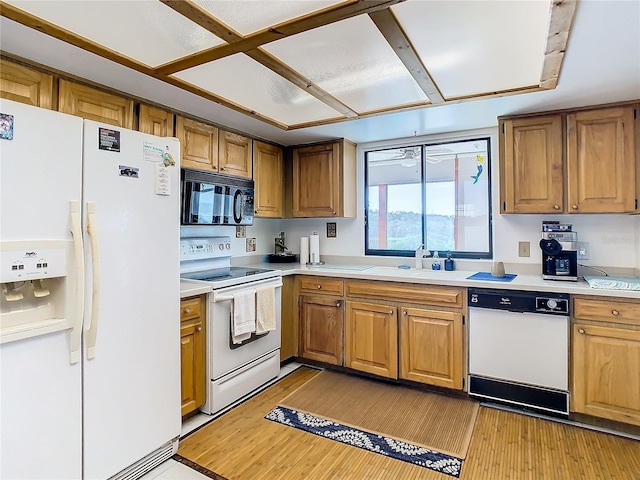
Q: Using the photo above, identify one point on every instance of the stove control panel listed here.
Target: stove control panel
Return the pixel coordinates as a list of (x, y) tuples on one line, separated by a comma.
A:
[(204, 248)]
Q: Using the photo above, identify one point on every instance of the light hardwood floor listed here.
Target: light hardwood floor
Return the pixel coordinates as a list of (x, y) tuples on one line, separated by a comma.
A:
[(242, 445)]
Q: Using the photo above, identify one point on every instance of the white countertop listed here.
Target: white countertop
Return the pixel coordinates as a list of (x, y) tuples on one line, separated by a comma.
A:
[(457, 278), (189, 288)]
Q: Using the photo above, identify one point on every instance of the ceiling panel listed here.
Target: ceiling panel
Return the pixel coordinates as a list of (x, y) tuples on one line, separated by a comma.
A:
[(353, 62), (249, 16), (475, 47), (146, 31), (255, 87)]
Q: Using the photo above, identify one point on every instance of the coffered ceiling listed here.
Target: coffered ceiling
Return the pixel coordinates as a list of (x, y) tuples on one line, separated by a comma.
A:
[(303, 63)]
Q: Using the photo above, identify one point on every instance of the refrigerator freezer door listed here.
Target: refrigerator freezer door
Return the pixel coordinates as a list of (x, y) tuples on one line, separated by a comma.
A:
[(40, 405), (132, 383)]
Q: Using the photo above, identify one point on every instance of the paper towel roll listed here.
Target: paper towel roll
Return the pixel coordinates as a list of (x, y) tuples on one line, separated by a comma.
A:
[(304, 250), (314, 248)]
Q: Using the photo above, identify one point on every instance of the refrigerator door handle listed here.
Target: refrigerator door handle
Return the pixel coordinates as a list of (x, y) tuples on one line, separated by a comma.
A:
[(92, 229), (78, 253)]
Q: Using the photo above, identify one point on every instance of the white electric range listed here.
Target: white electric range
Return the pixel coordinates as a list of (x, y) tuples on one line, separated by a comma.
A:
[(233, 369)]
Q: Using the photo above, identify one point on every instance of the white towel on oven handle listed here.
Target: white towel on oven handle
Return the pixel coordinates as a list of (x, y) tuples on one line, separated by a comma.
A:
[(265, 309), (243, 315)]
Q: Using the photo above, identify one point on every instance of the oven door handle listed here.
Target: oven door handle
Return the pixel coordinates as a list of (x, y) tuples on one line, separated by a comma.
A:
[(223, 298)]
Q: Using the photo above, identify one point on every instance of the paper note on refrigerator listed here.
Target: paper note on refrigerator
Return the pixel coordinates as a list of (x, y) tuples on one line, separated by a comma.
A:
[(162, 180)]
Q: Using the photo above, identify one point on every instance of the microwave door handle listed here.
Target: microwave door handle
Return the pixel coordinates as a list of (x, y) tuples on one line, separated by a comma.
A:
[(238, 199)]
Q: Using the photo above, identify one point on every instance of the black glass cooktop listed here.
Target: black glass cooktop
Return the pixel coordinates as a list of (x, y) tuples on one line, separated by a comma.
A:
[(218, 274)]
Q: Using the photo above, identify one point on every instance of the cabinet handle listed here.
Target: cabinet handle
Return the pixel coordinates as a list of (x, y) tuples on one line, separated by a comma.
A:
[(255, 212), (187, 311), (390, 312), (575, 207), (222, 169), (615, 313), (556, 207), (319, 286), (215, 167), (337, 304), (333, 213), (404, 312), (581, 330), (198, 329)]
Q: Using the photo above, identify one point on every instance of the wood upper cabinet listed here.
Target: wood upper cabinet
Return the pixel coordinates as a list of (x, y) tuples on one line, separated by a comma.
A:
[(199, 144), (25, 85), (582, 161), (601, 161), (93, 104), (193, 353), (431, 347), (235, 155), (531, 176), (321, 329), (324, 183), (371, 338), (268, 175), (156, 121), (606, 359)]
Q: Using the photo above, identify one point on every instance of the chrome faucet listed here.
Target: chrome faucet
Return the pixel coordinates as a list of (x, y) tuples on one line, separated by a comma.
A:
[(280, 245)]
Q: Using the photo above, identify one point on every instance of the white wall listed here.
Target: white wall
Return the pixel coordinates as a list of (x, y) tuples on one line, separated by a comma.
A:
[(614, 240)]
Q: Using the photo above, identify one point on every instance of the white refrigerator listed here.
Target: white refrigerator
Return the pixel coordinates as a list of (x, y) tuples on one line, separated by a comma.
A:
[(89, 306)]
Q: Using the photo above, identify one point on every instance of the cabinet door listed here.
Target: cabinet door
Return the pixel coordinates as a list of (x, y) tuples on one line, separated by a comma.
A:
[(531, 177), (156, 121), (192, 349), (321, 327), (288, 323), (235, 155), (25, 85), (199, 144), (601, 161), (316, 181), (268, 174), (371, 338), (93, 104), (606, 372), (431, 347)]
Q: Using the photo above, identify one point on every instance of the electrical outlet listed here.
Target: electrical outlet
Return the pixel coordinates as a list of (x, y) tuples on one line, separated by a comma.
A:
[(524, 249), (332, 230), (251, 244), (583, 250), (241, 231)]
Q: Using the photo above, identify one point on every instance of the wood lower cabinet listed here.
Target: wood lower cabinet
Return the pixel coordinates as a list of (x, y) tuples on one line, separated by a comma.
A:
[(431, 347), (324, 182), (25, 85), (193, 353), (606, 359), (235, 155), (94, 104), (268, 174), (371, 338), (321, 329), (156, 121), (288, 322)]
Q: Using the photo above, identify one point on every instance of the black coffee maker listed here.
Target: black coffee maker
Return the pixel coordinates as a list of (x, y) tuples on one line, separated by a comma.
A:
[(559, 246)]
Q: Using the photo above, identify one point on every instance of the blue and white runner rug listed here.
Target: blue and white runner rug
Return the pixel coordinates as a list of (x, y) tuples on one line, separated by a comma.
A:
[(371, 442)]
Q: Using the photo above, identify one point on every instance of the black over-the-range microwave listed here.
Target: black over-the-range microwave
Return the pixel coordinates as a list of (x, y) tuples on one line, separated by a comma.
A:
[(214, 199)]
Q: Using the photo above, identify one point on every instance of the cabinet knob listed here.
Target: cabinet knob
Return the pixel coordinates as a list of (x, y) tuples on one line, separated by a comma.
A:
[(390, 312), (337, 304), (222, 169), (187, 311), (319, 286), (574, 207), (581, 330), (404, 312), (215, 168), (255, 212), (198, 329), (615, 313), (333, 213), (556, 207)]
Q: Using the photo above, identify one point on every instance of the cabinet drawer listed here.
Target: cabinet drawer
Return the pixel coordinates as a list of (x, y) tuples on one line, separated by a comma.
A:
[(189, 308), (610, 310), (329, 286), (422, 294)]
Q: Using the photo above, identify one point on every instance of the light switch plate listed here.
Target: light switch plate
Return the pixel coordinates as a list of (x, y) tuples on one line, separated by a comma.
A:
[(583, 251), (241, 231), (524, 249)]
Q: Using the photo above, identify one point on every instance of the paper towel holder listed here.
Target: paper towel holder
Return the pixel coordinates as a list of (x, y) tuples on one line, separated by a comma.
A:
[(311, 263)]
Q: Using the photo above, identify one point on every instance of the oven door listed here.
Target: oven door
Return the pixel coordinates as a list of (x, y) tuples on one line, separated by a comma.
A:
[(223, 356)]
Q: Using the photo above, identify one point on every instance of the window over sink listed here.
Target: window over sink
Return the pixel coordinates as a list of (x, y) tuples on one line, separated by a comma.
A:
[(436, 193)]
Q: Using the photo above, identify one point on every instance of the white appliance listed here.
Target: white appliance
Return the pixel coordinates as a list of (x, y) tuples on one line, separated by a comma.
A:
[(519, 348), (89, 308), (233, 370)]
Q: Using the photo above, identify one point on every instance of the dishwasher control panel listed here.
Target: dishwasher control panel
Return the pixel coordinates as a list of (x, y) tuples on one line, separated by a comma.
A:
[(552, 305)]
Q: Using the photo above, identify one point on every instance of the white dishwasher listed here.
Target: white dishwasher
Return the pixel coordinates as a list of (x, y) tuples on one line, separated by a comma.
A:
[(519, 348)]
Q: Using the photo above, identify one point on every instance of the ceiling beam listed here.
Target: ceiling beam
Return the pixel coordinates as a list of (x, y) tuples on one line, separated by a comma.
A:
[(202, 17), (562, 14), (292, 27), (391, 30)]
